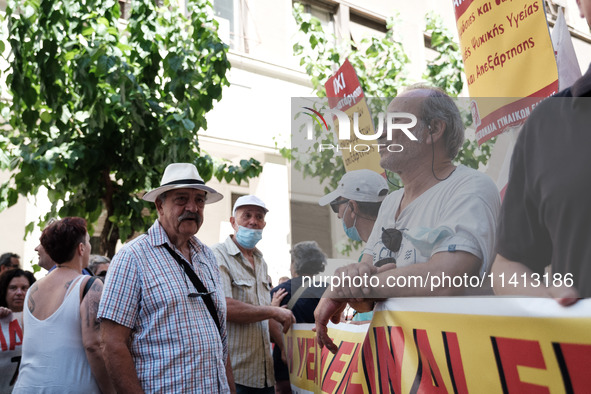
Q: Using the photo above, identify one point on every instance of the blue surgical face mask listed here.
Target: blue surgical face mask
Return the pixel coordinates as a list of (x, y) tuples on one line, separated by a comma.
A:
[(426, 239), (351, 232), (248, 237)]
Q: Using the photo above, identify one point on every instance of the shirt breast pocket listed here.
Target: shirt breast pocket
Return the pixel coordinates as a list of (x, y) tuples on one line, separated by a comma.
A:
[(159, 294), (244, 290)]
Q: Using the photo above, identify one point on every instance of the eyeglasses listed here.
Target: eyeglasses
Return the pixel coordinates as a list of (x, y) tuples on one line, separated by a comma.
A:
[(392, 239), (198, 294), (195, 294), (335, 204)]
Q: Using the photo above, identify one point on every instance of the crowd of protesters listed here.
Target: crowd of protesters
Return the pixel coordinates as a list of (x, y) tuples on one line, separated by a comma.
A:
[(177, 316)]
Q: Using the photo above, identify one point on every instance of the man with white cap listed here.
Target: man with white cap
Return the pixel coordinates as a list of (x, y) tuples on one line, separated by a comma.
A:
[(163, 311), (356, 201), (252, 321)]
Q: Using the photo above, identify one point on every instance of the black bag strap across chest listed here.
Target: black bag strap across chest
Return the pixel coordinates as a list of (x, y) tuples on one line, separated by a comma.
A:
[(198, 285)]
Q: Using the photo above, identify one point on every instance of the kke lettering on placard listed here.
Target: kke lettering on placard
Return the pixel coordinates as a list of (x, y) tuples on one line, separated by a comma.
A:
[(345, 95), (339, 83)]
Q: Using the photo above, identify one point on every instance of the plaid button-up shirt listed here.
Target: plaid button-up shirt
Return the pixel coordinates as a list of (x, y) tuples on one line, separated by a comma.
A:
[(175, 343)]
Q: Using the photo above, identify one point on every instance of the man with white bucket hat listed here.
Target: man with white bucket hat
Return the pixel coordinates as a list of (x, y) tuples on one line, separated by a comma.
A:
[(163, 309)]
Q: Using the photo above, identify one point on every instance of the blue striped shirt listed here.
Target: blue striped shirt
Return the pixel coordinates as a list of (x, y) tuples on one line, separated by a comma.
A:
[(175, 343)]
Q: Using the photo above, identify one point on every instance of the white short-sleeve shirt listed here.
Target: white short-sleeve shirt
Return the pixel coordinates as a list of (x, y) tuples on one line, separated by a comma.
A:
[(458, 214)]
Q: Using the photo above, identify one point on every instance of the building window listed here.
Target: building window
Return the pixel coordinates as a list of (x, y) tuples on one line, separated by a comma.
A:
[(125, 8), (233, 17), (552, 9), (324, 14), (224, 14), (362, 27), (236, 196), (347, 22), (311, 222)]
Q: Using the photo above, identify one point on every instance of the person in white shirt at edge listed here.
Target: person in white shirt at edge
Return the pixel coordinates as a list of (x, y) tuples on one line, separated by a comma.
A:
[(14, 284), (252, 320), (441, 223)]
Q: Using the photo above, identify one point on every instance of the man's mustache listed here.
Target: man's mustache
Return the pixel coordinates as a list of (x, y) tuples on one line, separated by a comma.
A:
[(191, 216)]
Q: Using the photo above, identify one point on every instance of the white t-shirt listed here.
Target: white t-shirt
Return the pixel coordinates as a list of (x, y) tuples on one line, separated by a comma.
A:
[(458, 214), (11, 342)]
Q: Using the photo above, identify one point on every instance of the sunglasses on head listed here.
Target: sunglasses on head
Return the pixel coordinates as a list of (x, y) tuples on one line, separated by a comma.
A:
[(335, 204), (392, 239)]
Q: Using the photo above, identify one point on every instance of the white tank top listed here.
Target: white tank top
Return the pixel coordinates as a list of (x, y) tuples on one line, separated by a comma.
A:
[(53, 358)]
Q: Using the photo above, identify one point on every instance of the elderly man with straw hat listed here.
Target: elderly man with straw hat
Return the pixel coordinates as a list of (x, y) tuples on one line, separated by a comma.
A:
[(163, 311)]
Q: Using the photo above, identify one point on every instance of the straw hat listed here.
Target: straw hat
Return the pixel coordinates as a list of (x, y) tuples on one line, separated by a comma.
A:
[(182, 176)]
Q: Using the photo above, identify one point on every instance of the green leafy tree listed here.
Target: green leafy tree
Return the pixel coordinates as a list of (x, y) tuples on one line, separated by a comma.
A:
[(445, 72), (99, 106)]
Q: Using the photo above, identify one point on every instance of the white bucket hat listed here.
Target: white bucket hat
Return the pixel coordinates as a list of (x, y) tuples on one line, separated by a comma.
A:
[(182, 176), (359, 185)]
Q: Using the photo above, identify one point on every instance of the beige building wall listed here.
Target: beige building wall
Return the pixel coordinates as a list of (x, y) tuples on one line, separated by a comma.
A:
[(13, 225)]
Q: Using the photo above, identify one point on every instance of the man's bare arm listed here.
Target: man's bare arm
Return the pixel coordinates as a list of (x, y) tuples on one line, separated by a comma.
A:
[(275, 331), (118, 359), (328, 309), (335, 300), (241, 312), (564, 295), (91, 335), (230, 376), (418, 278)]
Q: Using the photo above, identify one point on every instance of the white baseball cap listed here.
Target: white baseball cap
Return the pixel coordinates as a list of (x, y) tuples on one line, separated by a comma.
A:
[(359, 185), (182, 176), (248, 200)]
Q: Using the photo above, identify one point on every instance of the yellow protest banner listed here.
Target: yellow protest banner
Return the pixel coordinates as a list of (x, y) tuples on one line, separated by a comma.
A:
[(313, 370), (508, 55), (484, 345)]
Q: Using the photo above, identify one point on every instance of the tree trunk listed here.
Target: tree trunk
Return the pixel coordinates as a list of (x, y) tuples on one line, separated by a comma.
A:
[(110, 233), (109, 238)]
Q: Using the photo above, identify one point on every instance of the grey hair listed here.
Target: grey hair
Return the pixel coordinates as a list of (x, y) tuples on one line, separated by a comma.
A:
[(161, 197), (307, 258), (439, 105), (96, 260)]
